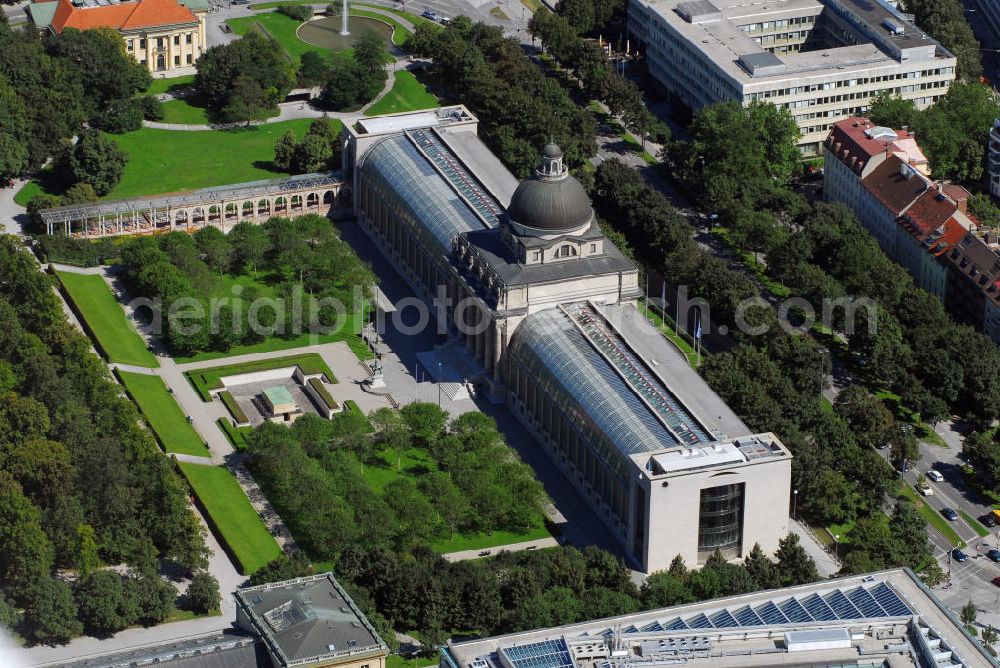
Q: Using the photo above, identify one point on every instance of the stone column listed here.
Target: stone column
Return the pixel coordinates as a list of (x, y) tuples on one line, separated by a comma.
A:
[(343, 24)]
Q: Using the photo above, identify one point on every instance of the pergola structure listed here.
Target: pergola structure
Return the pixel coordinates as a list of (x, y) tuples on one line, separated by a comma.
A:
[(221, 206)]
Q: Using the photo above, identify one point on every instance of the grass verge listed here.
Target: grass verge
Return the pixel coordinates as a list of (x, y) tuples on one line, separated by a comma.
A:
[(105, 320), (482, 541), (205, 380), (169, 85), (163, 414), (931, 516), (666, 328), (231, 516), (976, 525)]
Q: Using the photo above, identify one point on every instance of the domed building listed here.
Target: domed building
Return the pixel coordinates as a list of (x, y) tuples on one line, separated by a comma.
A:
[(531, 289)]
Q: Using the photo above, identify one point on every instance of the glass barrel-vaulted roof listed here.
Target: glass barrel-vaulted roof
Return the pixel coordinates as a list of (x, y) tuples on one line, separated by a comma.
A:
[(549, 343), (397, 164)]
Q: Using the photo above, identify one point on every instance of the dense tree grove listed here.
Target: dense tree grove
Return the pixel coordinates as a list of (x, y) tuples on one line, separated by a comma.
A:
[(50, 86), (953, 133), (314, 475), (244, 80), (519, 108), (586, 59), (944, 20), (356, 81), (81, 483), (590, 16), (319, 150), (916, 348), (184, 272), (662, 237), (516, 591)]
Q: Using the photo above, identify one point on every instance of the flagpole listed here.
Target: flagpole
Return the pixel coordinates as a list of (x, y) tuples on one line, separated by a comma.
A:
[(645, 300)]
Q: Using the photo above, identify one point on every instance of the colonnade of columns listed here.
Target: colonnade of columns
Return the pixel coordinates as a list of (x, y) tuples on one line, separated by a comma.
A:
[(223, 214)]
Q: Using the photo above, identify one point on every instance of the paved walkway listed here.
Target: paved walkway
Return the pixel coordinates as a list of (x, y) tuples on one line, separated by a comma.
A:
[(826, 564), (465, 555)]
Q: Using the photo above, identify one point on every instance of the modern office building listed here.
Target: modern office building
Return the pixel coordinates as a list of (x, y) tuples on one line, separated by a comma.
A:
[(823, 60), (163, 35), (993, 158), (886, 619), (528, 286)]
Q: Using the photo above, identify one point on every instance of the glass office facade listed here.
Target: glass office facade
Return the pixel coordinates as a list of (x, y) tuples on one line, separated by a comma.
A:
[(720, 521)]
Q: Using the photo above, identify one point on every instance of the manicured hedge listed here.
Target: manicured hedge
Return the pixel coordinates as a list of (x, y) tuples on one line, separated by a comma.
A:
[(324, 394), (234, 408), (237, 435), (206, 380)]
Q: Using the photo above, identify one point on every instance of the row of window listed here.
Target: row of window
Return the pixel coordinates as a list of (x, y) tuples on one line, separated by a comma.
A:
[(773, 25), (161, 62), (160, 42)]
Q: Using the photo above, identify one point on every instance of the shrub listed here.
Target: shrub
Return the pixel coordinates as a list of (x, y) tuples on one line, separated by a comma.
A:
[(297, 12), (202, 594), (323, 393), (121, 116), (152, 108), (234, 408)]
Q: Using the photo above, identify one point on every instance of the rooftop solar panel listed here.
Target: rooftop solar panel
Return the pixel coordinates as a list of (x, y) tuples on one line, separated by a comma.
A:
[(865, 603), (818, 608), (699, 621), (675, 624), (747, 617), (889, 601), (655, 626), (794, 611), (841, 606), (723, 620), (770, 614)]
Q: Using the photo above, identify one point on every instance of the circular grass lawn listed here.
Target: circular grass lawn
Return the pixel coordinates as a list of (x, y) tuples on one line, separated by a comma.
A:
[(325, 32)]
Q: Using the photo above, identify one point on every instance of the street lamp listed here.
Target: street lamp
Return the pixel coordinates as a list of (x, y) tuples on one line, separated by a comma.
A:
[(836, 546), (439, 383), (795, 503)]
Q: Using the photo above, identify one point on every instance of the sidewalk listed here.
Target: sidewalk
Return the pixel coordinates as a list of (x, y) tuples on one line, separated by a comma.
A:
[(465, 555), (826, 564)]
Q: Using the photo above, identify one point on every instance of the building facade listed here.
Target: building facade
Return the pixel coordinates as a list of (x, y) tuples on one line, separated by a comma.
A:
[(922, 224), (993, 159), (164, 35), (887, 618), (524, 281), (823, 60)]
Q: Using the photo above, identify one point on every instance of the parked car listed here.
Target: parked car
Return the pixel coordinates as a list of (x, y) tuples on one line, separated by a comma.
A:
[(958, 555), (994, 555), (444, 20), (996, 580), (989, 520), (935, 475), (925, 489), (428, 14), (949, 514)]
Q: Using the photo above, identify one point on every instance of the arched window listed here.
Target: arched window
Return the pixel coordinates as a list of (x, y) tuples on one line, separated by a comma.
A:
[(565, 250)]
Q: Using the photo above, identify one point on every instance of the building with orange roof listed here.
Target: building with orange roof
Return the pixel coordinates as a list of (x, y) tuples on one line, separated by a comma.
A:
[(167, 36), (922, 224)]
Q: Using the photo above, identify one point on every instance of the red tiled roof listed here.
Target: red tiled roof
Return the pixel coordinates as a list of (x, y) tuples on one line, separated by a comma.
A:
[(929, 212), (124, 16), (847, 140), (890, 186)]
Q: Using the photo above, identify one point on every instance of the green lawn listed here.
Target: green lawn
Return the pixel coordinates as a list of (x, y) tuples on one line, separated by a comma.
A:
[(166, 85), (842, 530), (932, 516), (407, 94), (208, 379), (275, 344), (482, 541), (105, 319), (396, 661), (163, 414), (411, 463), (231, 514), (163, 161), (183, 112), (282, 29), (532, 5), (27, 191)]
